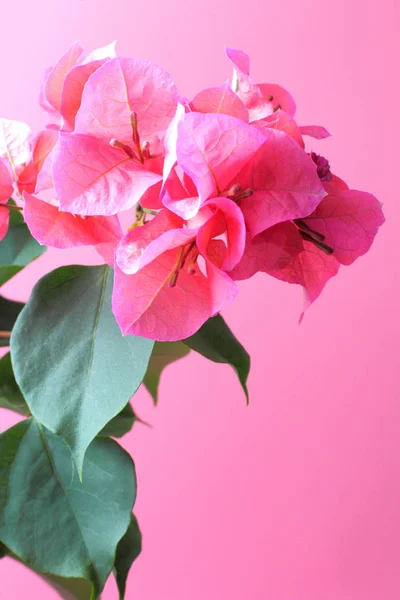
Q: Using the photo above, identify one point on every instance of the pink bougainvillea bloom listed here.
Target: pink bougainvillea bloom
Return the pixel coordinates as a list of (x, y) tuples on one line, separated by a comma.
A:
[(281, 181), (51, 227), (94, 178), (309, 251), (115, 153), (160, 291), (220, 100), (56, 75), (71, 94), (123, 87), (260, 99), (283, 122), (213, 148), (53, 97), (42, 145)]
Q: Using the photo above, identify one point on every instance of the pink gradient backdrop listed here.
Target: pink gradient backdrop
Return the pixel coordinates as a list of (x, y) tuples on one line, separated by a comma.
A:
[(296, 497)]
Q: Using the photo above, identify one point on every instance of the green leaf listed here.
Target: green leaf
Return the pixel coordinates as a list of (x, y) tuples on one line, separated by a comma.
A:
[(164, 353), (81, 371), (48, 518), (10, 394), (215, 341), (121, 424), (18, 248), (128, 550), (67, 588), (9, 311)]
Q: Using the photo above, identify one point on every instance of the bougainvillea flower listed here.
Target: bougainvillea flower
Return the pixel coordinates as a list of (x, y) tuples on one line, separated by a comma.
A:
[(282, 122), (121, 88), (115, 153), (213, 148), (266, 172), (260, 99), (52, 227), (220, 100), (71, 71), (160, 291), (42, 145), (309, 251), (94, 178)]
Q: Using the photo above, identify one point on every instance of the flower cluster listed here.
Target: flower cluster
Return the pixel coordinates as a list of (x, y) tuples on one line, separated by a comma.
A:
[(213, 189)]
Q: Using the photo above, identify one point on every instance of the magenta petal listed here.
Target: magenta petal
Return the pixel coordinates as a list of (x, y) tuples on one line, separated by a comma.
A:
[(282, 122), (223, 289), (6, 183), (220, 100), (45, 176), (349, 220), (213, 148), (234, 227), (263, 253), (315, 131), (284, 182), (170, 141), (123, 86), (145, 305), (239, 59), (93, 178), (51, 227), (279, 97), (72, 90), (55, 79), (144, 244)]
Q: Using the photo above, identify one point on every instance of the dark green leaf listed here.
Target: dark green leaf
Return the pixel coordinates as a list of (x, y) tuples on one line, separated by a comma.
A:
[(67, 588), (128, 550), (48, 518), (164, 353), (216, 342), (121, 424), (81, 371), (10, 394), (18, 248), (9, 311)]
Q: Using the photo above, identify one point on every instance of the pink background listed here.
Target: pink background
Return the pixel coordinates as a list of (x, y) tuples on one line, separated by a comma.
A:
[(296, 497)]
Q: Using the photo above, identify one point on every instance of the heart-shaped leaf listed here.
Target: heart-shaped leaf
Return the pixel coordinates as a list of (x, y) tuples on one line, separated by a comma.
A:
[(18, 248), (48, 518), (164, 353), (128, 550), (81, 371), (215, 341)]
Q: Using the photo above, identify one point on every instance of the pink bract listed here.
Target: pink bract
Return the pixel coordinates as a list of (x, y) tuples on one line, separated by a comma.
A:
[(213, 148), (220, 100), (157, 271), (123, 86), (52, 227), (94, 178)]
